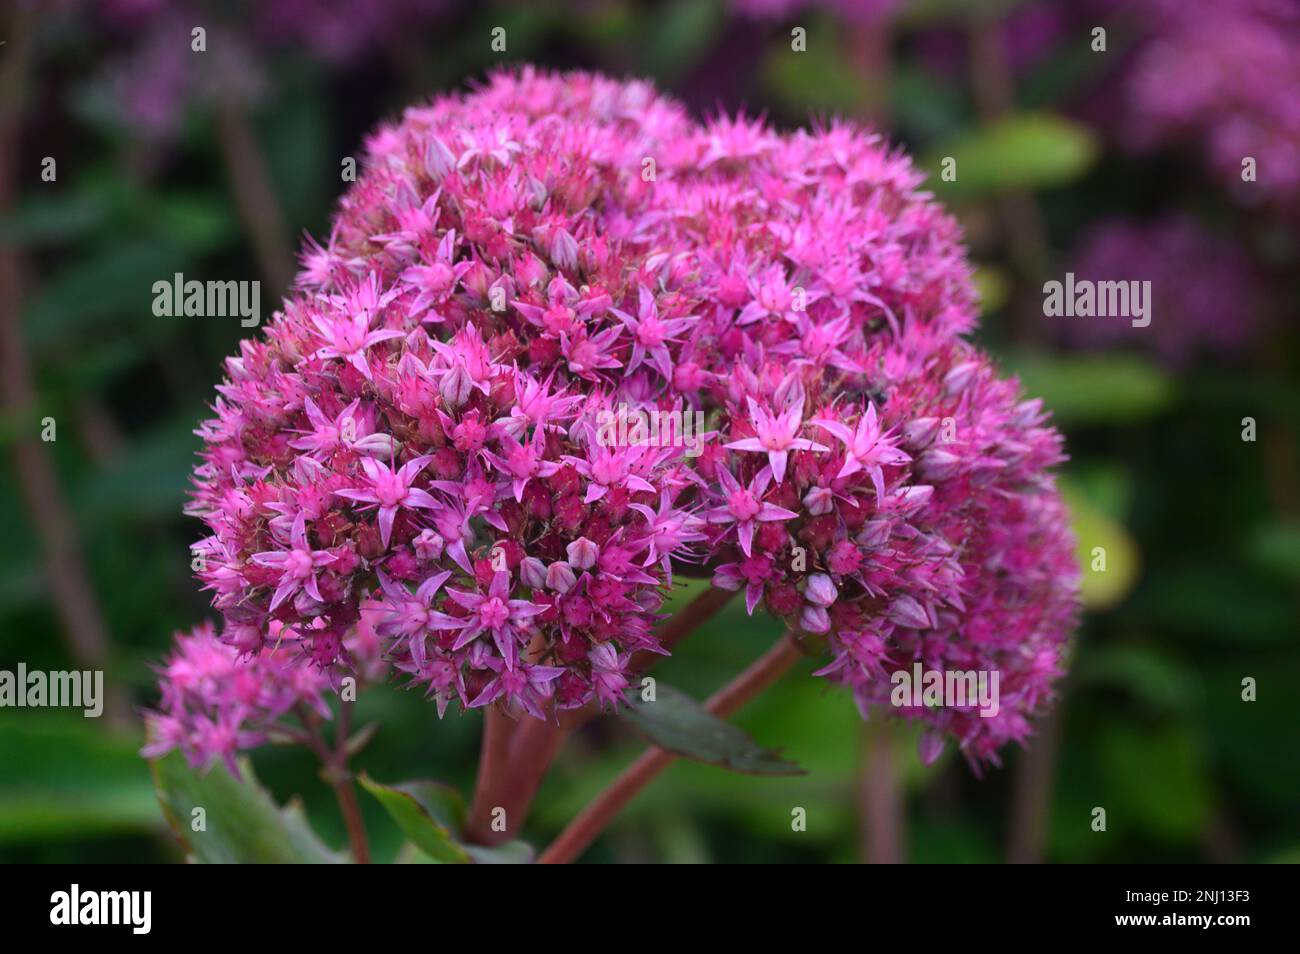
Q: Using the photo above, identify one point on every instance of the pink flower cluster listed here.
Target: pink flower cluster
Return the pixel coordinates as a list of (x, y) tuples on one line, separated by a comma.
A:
[(419, 436), (1222, 74), (214, 703)]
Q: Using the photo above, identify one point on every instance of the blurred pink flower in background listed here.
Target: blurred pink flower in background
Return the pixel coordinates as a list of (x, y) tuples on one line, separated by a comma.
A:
[(1220, 76), (1207, 296)]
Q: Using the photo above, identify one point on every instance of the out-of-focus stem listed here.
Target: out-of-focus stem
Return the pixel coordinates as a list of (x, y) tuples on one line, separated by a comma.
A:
[(882, 801), (65, 570), (593, 819), (255, 197), (102, 435), (869, 51), (346, 793), (992, 83), (1031, 799)]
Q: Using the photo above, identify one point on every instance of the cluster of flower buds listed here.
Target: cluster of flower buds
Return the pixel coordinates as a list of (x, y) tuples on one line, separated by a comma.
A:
[(214, 703), (422, 437)]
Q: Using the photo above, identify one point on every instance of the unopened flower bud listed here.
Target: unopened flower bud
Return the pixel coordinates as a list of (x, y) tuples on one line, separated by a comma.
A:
[(582, 554), (533, 572), (560, 577), (455, 386), (814, 619), (821, 590)]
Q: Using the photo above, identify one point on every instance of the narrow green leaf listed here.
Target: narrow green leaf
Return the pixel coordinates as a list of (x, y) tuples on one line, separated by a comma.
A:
[(429, 813), (68, 777), (1028, 151), (409, 854), (1095, 389), (685, 30), (241, 822), (511, 853), (994, 287), (676, 722)]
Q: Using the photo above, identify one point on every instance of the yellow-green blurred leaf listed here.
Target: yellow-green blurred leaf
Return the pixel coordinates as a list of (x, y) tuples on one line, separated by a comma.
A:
[(1027, 151), (1095, 389), (1109, 558)]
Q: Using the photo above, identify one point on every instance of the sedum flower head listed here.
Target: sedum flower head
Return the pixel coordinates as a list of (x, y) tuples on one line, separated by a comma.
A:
[(419, 444)]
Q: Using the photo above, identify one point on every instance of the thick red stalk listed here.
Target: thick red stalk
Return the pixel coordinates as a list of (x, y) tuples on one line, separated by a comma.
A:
[(593, 819), (491, 787), (535, 741)]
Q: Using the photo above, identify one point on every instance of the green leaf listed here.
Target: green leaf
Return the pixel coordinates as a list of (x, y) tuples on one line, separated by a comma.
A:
[(195, 222), (409, 854), (824, 81), (1157, 779), (100, 287), (1275, 549), (511, 853), (147, 483), (429, 813), (993, 285), (68, 777), (685, 29), (926, 107), (1095, 389), (47, 220), (1107, 576), (1203, 602), (679, 724), (1027, 151), (242, 822)]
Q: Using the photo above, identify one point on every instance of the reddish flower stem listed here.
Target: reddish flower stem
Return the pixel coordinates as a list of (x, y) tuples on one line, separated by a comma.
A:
[(536, 741), (1020, 219), (869, 49), (882, 798), (490, 789), (593, 819), (346, 791), (255, 198), (1032, 788), (534, 746), (335, 771)]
